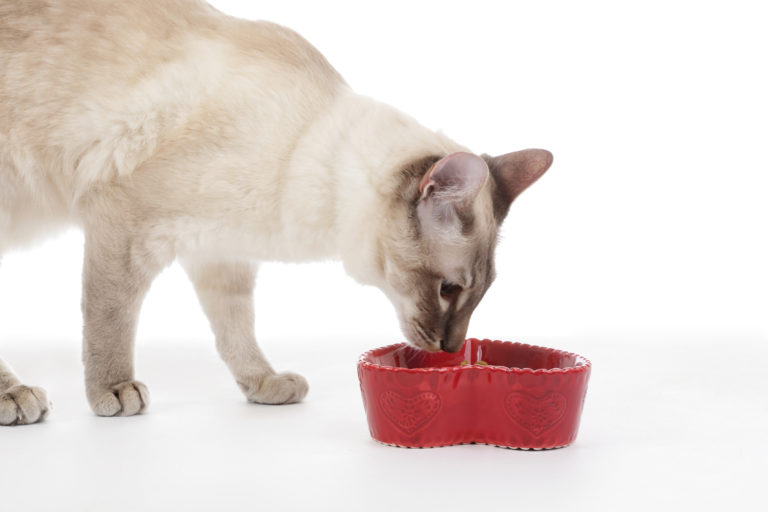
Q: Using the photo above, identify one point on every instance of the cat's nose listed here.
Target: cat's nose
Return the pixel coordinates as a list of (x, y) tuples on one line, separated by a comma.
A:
[(450, 346), (455, 332)]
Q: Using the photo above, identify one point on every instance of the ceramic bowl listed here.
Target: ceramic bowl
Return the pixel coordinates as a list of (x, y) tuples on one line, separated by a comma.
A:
[(525, 397)]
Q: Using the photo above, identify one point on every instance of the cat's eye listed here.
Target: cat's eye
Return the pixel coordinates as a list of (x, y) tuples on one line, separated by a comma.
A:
[(449, 291)]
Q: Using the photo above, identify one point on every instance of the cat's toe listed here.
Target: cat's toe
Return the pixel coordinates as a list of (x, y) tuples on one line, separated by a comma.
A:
[(22, 405), (282, 388), (124, 399)]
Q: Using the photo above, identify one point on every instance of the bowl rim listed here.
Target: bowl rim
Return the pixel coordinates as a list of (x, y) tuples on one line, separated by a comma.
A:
[(368, 365)]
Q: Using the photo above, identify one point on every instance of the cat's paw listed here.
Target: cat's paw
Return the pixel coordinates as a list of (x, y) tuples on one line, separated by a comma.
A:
[(282, 388), (124, 399), (22, 405)]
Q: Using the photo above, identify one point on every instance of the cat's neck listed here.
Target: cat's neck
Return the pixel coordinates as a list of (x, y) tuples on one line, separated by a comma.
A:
[(346, 165)]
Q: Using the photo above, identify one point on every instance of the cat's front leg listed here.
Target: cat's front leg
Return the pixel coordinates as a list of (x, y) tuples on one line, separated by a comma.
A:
[(117, 272), (225, 291)]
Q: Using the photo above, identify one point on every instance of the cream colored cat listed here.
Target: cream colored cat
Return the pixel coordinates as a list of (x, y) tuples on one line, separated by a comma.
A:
[(168, 130)]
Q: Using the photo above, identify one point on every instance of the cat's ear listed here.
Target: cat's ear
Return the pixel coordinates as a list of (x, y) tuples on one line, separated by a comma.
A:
[(456, 178), (447, 191), (514, 172)]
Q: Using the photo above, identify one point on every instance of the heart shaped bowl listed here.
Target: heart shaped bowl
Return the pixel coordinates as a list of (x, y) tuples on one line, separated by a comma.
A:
[(524, 396)]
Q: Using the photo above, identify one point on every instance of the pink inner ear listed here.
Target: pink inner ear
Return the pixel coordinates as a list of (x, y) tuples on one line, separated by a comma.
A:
[(426, 179), (462, 172)]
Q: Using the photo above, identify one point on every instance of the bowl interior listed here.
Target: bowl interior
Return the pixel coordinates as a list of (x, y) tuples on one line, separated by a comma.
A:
[(494, 353)]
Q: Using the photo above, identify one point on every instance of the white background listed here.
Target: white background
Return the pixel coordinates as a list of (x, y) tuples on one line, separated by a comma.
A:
[(643, 248)]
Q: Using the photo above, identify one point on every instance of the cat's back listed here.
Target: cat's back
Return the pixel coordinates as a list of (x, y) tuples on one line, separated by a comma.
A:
[(74, 38), (90, 88), (64, 49), (82, 37)]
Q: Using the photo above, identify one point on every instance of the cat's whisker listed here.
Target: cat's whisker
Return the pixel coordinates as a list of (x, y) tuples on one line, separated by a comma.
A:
[(428, 342)]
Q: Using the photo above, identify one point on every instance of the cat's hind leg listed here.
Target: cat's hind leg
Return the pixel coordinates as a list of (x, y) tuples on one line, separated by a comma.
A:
[(225, 291), (20, 404), (117, 273)]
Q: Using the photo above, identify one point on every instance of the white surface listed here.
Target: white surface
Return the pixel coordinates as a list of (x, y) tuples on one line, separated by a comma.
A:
[(665, 426), (643, 248)]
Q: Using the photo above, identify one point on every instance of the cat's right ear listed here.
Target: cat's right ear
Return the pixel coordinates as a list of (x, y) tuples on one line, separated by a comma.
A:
[(514, 172)]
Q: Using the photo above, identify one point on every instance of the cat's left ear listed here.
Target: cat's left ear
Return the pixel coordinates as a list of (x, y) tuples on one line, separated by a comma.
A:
[(456, 178), (512, 173), (448, 189)]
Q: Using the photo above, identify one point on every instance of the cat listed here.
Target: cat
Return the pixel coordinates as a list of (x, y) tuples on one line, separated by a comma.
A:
[(169, 131)]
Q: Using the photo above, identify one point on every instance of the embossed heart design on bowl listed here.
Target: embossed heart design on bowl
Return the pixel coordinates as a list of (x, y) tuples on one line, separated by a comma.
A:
[(536, 414), (409, 413), (525, 397)]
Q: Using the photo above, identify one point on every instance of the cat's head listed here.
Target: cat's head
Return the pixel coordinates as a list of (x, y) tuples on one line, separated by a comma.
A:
[(436, 245)]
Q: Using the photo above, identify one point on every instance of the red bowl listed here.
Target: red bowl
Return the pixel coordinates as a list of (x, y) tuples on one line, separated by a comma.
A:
[(526, 397)]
